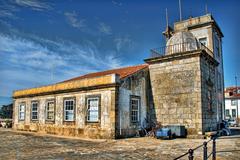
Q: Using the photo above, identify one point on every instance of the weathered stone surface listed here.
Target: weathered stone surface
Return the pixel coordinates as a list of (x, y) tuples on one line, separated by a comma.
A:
[(104, 129), (180, 88), (35, 146)]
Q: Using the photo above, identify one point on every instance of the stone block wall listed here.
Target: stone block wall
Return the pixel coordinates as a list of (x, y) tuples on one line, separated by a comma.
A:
[(208, 78), (176, 89)]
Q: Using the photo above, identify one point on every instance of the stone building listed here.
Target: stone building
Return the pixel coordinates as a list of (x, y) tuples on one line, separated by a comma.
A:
[(181, 83), (187, 76)]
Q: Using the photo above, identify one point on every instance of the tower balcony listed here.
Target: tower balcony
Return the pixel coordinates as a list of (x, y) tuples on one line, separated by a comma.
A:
[(179, 48)]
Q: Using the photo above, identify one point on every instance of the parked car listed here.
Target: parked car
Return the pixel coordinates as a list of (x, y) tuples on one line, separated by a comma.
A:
[(164, 133), (232, 123), (224, 129)]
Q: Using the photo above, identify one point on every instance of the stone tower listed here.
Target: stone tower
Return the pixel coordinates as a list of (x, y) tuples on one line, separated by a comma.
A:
[(187, 76)]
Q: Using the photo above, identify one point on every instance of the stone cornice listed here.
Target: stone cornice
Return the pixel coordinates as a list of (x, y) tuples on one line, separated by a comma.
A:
[(182, 55), (113, 85), (106, 81)]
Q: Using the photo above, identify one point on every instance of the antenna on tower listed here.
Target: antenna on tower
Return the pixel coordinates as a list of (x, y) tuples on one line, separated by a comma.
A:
[(168, 32), (166, 17), (180, 10), (206, 9)]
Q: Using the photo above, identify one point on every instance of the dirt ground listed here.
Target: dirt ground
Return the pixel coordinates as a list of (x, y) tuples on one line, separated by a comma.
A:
[(23, 145)]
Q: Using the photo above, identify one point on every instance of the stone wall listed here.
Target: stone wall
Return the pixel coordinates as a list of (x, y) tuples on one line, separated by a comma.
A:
[(208, 78), (180, 87), (176, 88), (206, 27), (104, 129), (135, 85)]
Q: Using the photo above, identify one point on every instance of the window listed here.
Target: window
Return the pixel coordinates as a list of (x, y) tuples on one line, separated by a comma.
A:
[(227, 112), (50, 107), (69, 109), (135, 103), (209, 98), (34, 109), (234, 113), (233, 102), (93, 109), (22, 111), (203, 41)]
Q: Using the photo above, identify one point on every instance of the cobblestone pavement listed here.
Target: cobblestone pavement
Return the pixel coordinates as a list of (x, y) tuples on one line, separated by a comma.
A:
[(22, 145)]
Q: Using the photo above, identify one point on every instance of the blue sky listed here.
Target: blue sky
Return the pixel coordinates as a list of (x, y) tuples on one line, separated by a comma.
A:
[(43, 42)]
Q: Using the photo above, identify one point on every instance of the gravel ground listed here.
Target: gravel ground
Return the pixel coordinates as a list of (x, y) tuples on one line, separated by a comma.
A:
[(23, 145)]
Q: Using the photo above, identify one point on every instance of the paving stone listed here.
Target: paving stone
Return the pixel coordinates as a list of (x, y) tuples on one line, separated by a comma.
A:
[(23, 145)]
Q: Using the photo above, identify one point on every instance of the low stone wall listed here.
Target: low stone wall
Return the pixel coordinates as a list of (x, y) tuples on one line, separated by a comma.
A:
[(94, 132)]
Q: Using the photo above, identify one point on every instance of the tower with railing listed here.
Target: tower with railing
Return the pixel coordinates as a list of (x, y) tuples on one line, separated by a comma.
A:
[(187, 75)]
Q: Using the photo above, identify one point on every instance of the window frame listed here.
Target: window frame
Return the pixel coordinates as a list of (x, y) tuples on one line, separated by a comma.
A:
[(47, 111), (138, 98), (34, 102), (233, 102), (206, 41), (20, 104), (235, 113), (74, 108), (99, 108), (227, 112)]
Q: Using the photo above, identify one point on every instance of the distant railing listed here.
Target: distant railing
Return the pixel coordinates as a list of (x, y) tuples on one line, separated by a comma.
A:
[(178, 48), (190, 152), (206, 155)]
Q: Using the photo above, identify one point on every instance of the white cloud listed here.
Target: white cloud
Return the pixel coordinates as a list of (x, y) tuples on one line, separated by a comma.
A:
[(33, 4), (29, 63), (7, 10), (104, 28), (117, 3), (73, 20), (10, 8), (6, 13), (123, 42)]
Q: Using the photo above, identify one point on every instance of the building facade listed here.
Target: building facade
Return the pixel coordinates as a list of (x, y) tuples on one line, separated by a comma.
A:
[(181, 83), (232, 103)]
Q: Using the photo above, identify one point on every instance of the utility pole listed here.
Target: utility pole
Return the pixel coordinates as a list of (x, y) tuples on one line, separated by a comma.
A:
[(237, 120)]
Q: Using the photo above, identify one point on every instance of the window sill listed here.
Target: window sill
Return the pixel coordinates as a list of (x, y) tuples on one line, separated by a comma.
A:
[(69, 122), (93, 123), (49, 121), (135, 124), (34, 121)]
